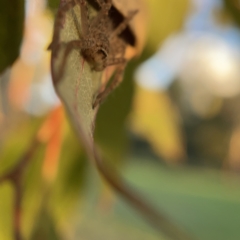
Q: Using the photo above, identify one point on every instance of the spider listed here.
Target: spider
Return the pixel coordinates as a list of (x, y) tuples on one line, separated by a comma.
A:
[(99, 44)]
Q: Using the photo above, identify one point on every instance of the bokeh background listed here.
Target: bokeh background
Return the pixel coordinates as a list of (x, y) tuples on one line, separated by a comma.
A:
[(172, 128)]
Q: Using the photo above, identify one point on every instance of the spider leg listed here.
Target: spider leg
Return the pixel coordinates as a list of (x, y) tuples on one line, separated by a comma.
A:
[(113, 84), (75, 44), (105, 7), (114, 61), (123, 24), (59, 22), (84, 16), (103, 3)]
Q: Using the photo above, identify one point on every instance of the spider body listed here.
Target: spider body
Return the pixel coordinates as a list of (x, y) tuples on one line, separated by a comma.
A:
[(98, 43), (97, 52)]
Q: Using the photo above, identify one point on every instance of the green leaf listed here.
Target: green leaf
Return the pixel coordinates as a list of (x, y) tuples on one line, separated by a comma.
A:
[(53, 4), (11, 31), (77, 85)]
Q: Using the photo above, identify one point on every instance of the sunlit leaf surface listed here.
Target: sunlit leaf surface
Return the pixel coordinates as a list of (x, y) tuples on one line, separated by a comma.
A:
[(79, 84)]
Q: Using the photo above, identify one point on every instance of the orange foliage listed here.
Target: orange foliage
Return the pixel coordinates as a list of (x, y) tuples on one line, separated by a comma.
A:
[(51, 132)]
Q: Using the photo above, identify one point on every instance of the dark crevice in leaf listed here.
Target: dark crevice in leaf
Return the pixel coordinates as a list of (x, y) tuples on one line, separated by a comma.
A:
[(116, 18)]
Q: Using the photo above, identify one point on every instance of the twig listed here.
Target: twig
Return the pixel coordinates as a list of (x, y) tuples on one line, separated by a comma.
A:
[(15, 177), (157, 219)]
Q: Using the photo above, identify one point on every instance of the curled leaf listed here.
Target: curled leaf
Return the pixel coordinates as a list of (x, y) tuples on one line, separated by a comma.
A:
[(77, 84)]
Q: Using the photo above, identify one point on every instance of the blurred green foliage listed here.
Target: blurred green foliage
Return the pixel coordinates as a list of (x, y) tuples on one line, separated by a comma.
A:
[(11, 31), (232, 7), (6, 211), (165, 18), (53, 4)]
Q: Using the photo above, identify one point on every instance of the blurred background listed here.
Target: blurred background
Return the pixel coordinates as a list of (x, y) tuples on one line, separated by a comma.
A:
[(172, 128)]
